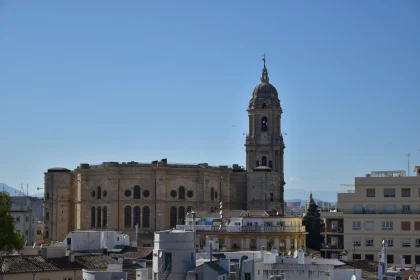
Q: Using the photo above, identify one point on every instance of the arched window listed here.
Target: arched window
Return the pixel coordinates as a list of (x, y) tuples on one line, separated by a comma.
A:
[(264, 124), (212, 193), (181, 192), (146, 217), (136, 192), (189, 208), (264, 161), (264, 106), (93, 217), (257, 163), (99, 221), (99, 193), (270, 164), (172, 217), (136, 215), (127, 216), (104, 217), (181, 215)]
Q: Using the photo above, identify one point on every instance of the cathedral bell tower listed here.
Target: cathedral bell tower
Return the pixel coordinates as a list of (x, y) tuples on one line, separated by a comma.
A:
[(265, 148)]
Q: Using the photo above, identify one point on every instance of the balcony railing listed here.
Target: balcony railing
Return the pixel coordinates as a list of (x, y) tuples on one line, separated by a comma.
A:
[(338, 230), (242, 228), (332, 246)]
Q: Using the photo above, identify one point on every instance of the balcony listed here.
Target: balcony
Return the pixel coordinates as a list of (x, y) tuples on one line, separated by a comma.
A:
[(330, 246), (245, 229)]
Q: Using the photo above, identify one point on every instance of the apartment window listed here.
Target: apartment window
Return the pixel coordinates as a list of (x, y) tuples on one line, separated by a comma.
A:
[(390, 258), (407, 259), (357, 226), (387, 225), (405, 192), (417, 242), (389, 242), (406, 242), (371, 209), (405, 225), (369, 257), (27, 218), (47, 216), (416, 225), (357, 209), (369, 242), (390, 209), (417, 259), (368, 225), (357, 241), (26, 232), (17, 219), (370, 192), (357, 256), (406, 209), (389, 192), (247, 276)]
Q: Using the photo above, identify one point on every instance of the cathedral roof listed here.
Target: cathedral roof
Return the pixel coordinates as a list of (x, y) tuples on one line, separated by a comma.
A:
[(265, 94), (310, 202)]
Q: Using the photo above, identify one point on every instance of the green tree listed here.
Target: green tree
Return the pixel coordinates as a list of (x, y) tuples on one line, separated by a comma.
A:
[(313, 224), (9, 239)]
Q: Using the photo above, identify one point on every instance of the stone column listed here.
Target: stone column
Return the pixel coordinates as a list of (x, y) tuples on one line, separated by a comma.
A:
[(287, 243)]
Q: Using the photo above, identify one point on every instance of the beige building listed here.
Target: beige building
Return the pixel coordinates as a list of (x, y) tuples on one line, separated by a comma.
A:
[(157, 195), (383, 206)]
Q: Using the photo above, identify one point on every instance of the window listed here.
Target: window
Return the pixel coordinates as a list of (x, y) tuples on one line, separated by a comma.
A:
[(371, 209), (407, 259), (387, 225), (417, 242), (136, 192), (181, 215), (357, 225), (93, 217), (390, 209), (257, 163), (389, 242), (405, 225), (99, 216), (417, 259), (99, 193), (368, 225), (47, 197), (357, 241), (357, 209), (104, 217), (405, 242), (47, 216), (264, 106), (369, 257), (264, 124), (26, 232), (247, 276), (146, 193), (172, 217), (146, 217), (127, 216), (215, 195), (27, 219), (190, 194), (136, 215), (93, 193), (370, 192), (181, 193), (127, 193), (405, 192), (271, 197), (17, 219), (389, 192), (369, 242), (270, 164), (264, 161), (390, 258), (406, 209), (357, 256), (212, 193), (416, 225)]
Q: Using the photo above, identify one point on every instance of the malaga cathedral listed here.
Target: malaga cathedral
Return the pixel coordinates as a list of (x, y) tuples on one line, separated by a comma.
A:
[(157, 195)]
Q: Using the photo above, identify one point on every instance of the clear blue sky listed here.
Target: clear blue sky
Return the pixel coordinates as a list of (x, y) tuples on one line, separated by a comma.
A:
[(93, 81)]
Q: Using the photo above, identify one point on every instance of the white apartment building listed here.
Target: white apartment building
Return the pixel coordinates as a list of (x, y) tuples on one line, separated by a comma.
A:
[(383, 206), (27, 211)]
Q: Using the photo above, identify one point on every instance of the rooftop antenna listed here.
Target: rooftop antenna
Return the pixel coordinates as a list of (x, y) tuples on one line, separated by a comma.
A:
[(408, 164)]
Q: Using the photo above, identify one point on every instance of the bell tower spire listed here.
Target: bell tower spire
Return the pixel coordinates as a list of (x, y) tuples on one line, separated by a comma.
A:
[(264, 76)]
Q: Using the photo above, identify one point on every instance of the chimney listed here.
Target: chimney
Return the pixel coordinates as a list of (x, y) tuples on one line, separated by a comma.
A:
[(263, 252), (71, 257)]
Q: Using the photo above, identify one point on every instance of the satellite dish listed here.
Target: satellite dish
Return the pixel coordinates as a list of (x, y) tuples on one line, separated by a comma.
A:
[(353, 277)]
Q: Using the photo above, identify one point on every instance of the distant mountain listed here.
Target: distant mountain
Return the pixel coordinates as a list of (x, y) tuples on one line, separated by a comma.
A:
[(291, 194), (10, 190)]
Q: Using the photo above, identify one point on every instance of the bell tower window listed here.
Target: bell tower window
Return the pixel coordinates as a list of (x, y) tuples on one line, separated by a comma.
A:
[(264, 124), (264, 161)]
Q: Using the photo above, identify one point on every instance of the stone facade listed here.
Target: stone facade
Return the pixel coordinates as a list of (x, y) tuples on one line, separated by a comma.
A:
[(157, 195)]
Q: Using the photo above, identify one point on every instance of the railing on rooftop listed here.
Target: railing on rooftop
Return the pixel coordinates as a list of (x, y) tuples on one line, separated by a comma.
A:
[(242, 228)]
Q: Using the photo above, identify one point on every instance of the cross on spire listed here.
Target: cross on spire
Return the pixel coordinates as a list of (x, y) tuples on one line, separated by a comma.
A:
[(264, 76), (264, 59)]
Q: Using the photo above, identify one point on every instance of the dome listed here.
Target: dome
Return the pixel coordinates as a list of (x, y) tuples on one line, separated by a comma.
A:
[(310, 202), (265, 94)]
